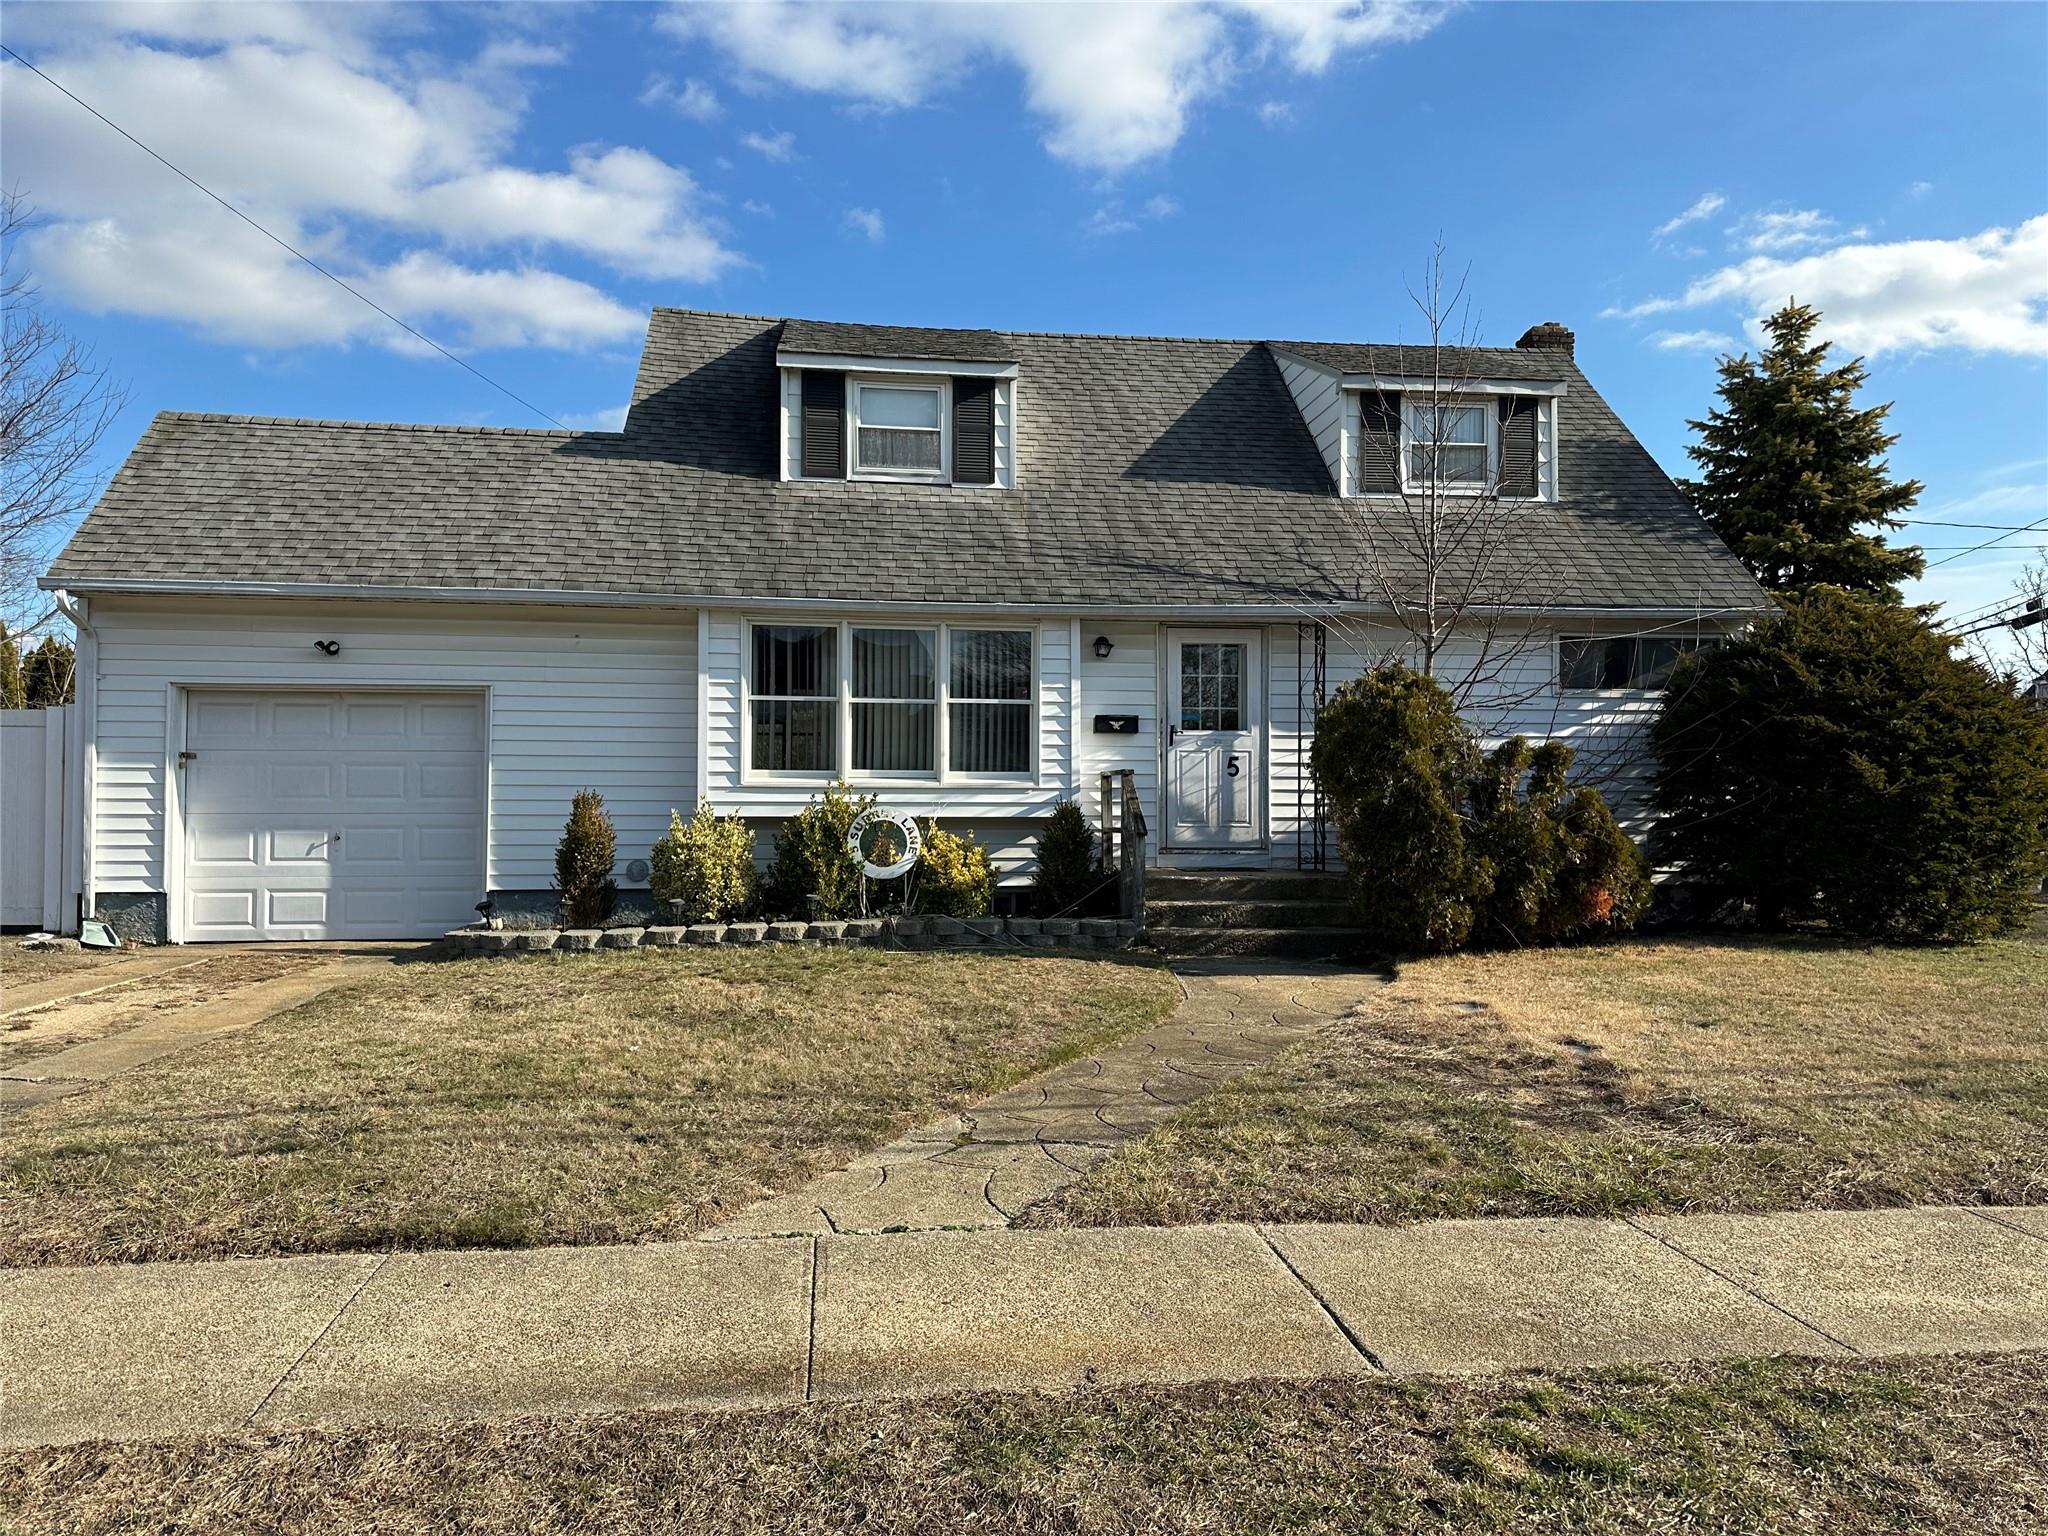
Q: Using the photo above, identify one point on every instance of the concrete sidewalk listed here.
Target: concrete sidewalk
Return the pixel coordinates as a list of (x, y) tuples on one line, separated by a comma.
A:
[(136, 1351)]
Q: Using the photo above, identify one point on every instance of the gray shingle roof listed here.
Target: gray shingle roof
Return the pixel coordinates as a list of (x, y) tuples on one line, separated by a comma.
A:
[(1153, 472), (838, 338)]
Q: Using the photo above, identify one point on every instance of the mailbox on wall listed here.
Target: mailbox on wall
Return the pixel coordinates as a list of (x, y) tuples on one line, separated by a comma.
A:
[(1116, 725)]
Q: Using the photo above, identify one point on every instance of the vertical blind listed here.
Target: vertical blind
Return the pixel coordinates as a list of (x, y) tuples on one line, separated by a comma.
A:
[(894, 700)]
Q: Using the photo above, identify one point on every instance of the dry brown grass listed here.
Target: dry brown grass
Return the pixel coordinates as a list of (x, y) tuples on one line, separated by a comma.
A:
[(562, 1099), (1642, 1076), (20, 966), (72, 1021), (1781, 1446)]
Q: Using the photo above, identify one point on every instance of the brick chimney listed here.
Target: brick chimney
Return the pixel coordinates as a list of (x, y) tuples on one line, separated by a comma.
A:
[(1547, 337)]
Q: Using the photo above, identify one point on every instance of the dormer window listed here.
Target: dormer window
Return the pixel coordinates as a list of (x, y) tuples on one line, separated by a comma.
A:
[(1453, 444), (899, 430)]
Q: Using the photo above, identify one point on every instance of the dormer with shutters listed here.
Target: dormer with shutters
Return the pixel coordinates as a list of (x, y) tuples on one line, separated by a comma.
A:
[(1387, 423), (898, 405)]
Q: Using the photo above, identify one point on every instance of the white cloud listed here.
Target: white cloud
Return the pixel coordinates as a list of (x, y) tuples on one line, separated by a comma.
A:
[(1692, 341), (397, 175), (611, 418), (1986, 292), (866, 221), (758, 208), (1920, 189), (1112, 218), (692, 99), (1116, 83), (773, 146), (1275, 114), (1704, 207), (1792, 230)]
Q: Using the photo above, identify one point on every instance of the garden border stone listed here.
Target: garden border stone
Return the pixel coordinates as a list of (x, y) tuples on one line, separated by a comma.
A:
[(910, 931)]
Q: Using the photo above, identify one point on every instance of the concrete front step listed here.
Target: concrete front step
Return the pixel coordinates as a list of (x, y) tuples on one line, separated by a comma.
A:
[(1280, 943), (1248, 914), (1253, 885)]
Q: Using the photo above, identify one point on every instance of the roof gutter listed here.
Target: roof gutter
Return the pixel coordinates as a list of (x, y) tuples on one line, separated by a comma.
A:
[(1305, 608)]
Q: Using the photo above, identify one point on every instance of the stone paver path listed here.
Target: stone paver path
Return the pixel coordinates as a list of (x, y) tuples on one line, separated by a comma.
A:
[(981, 1167), (139, 1351)]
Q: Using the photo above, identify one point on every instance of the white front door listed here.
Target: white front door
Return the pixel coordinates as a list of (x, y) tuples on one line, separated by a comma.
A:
[(1213, 712), (315, 815)]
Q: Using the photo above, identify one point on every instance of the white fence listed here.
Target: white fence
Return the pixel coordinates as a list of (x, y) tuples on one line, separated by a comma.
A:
[(42, 824)]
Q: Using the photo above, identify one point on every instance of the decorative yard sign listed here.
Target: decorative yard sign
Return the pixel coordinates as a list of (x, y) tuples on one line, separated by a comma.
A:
[(883, 843)]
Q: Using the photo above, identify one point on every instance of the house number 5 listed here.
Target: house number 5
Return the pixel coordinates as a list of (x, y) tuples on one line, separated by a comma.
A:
[(1232, 769)]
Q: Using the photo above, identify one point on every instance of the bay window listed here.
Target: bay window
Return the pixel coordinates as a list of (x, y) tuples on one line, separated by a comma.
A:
[(875, 702)]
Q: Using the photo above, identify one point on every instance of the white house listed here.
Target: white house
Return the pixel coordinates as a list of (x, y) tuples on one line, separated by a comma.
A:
[(340, 680)]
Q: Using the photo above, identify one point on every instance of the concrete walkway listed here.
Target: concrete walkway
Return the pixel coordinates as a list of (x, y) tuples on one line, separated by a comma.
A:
[(39, 1079), (135, 1351), (981, 1167)]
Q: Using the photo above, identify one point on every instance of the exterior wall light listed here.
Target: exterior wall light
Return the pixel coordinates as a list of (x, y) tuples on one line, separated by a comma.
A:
[(1103, 646), (327, 647)]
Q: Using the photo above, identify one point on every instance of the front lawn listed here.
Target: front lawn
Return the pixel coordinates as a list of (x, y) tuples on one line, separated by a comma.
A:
[(1787, 1446), (559, 1099), (1725, 1076)]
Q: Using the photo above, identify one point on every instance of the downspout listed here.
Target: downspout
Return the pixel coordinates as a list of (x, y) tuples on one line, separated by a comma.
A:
[(86, 699)]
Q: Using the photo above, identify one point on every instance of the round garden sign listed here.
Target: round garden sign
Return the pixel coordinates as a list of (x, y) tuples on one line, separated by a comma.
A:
[(883, 843)]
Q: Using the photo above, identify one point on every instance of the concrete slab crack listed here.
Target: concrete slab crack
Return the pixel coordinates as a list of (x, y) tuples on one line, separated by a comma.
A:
[(313, 1343), (1747, 1290)]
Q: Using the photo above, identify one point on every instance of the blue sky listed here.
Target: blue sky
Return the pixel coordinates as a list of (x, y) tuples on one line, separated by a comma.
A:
[(523, 182)]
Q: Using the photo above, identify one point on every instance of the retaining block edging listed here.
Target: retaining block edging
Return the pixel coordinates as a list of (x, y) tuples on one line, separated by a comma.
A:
[(914, 932)]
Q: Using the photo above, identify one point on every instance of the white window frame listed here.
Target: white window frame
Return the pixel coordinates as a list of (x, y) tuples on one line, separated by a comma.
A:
[(938, 384), (842, 770), (1489, 417)]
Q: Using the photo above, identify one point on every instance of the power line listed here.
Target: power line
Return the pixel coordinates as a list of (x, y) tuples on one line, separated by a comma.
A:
[(1972, 549), (276, 239), (1935, 522)]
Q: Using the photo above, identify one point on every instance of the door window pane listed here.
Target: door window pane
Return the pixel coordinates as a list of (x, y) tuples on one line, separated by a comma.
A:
[(990, 718), (895, 684), (795, 686), (1212, 686)]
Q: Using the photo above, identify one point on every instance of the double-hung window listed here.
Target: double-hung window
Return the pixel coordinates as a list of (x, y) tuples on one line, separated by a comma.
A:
[(1623, 662), (795, 698), (1450, 445), (876, 703), (899, 430)]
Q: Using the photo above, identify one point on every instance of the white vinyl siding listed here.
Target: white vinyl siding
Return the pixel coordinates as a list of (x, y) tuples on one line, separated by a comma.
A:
[(1319, 397), (578, 699), (1125, 683)]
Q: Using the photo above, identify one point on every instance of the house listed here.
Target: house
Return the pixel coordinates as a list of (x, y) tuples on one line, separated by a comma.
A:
[(340, 680)]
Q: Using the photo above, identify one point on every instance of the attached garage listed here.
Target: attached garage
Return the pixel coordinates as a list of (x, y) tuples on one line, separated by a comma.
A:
[(331, 815)]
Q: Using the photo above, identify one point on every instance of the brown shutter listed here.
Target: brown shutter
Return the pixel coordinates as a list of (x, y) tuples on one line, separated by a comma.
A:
[(824, 424), (1379, 444), (1518, 446), (974, 431)]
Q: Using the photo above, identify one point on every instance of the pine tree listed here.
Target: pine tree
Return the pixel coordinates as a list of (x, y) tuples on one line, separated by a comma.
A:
[(583, 862), (1791, 469), (13, 687), (46, 674)]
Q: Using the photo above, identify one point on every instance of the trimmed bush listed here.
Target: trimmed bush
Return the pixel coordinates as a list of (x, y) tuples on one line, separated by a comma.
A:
[(1840, 762), (954, 876), (583, 862), (1445, 845), (1397, 764), (704, 866), (811, 859), (1069, 873)]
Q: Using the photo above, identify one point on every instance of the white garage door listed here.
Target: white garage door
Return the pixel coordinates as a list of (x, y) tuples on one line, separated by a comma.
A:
[(332, 815)]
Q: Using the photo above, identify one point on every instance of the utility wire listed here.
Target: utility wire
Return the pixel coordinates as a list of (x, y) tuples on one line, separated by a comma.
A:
[(1972, 549), (276, 239)]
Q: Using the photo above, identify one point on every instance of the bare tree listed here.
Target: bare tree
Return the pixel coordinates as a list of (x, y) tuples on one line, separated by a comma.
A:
[(2012, 639), (1454, 584), (56, 403)]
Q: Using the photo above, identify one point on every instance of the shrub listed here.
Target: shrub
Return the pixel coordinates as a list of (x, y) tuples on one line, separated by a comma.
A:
[(583, 862), (1069, 874), (1560, 865), (954, 876), (811, 858), (1397, 764), (1841, 762), (704, 866)]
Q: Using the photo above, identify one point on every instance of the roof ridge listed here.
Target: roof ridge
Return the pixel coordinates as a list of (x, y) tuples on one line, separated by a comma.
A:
[(243, 420)]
